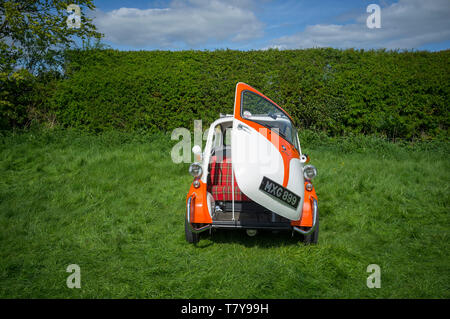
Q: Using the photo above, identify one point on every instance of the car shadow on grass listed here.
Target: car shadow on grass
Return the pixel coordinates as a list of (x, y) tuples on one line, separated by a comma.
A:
[(263, 239)]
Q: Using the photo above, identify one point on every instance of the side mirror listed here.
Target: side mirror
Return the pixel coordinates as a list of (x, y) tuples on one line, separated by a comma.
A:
[(197, 150)]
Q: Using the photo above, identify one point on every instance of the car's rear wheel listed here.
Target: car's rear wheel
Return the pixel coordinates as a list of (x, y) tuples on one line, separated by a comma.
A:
[(191, 237), (313, 238)]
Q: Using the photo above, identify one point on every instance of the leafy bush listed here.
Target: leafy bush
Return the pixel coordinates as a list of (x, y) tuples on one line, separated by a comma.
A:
[(340, 92), (23, 99)]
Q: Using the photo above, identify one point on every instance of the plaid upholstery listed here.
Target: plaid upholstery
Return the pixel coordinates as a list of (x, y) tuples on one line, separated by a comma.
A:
[(219, 181)]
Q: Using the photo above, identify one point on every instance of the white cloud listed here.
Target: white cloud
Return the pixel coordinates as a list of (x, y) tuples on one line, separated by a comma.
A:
[(191, 22), (407, 24), (275, 46)]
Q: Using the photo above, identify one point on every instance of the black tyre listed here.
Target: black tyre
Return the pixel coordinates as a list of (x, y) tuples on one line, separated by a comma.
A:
[(191, 237), (314, 237)]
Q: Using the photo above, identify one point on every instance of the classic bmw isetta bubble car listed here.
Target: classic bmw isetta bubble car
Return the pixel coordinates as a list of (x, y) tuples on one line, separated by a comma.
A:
[(252, 174)]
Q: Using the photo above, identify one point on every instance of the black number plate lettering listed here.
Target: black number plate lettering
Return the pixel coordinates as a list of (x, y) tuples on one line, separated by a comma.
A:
[(277, 191)]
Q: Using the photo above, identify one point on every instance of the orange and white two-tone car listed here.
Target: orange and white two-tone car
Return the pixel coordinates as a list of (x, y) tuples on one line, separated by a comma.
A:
[(252, 174)]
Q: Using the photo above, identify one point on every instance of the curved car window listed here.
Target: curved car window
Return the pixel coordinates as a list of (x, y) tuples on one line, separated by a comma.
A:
[(217, 137), (227, 139), (257, 109)]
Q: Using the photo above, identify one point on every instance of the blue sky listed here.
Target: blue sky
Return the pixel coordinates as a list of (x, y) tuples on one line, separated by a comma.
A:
[(289, 24)]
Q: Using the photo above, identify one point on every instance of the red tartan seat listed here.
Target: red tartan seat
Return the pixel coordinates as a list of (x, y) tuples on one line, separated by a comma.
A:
[(219, 181)]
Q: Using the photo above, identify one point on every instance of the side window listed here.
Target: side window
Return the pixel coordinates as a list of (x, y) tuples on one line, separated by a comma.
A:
[(227, 140), (217, 137)]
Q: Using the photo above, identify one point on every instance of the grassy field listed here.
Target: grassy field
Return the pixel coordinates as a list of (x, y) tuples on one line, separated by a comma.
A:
[(114, 205)]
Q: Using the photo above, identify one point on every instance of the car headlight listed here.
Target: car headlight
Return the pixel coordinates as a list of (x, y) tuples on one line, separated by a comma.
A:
[(309, 172), (195, 169)]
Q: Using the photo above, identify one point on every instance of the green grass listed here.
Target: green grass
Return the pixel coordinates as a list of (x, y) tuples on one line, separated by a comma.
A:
[(114, 205)]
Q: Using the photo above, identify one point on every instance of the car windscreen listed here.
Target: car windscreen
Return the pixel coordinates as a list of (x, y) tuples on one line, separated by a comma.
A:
[(256, 108)]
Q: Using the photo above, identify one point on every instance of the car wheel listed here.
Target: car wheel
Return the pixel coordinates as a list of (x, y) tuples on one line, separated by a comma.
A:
[(314, 237), (191, 237)]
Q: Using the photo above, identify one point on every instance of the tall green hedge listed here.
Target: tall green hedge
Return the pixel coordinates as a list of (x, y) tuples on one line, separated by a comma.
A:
[(395, 94)]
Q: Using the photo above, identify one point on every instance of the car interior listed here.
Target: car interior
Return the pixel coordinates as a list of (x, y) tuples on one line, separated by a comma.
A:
[(219, 184)]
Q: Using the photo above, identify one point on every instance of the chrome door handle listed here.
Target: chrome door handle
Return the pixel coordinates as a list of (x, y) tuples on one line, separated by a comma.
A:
[(243, 128)]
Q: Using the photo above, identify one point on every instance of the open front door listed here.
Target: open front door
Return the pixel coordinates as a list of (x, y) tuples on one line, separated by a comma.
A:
[(265, 153)]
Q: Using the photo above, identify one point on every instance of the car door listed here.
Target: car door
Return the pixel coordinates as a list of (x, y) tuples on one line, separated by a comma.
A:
[(265, 154)]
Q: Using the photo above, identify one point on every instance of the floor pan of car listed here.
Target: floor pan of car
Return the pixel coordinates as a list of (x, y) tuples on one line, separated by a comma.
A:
[(250, 220)]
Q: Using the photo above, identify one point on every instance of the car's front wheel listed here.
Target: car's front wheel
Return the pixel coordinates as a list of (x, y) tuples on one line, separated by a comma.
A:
[(191, 237)]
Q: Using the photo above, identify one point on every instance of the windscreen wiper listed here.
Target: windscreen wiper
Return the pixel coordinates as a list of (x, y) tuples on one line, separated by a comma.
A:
[(272, 115)]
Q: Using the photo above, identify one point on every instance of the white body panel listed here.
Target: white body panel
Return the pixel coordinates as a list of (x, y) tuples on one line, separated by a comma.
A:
[(254, 157)]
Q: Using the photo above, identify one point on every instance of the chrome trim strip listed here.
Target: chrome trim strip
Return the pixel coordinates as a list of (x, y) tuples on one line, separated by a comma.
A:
[(188, 216)]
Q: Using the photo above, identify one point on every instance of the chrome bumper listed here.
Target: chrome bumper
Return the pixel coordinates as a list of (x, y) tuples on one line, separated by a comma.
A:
[(315, 211)]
